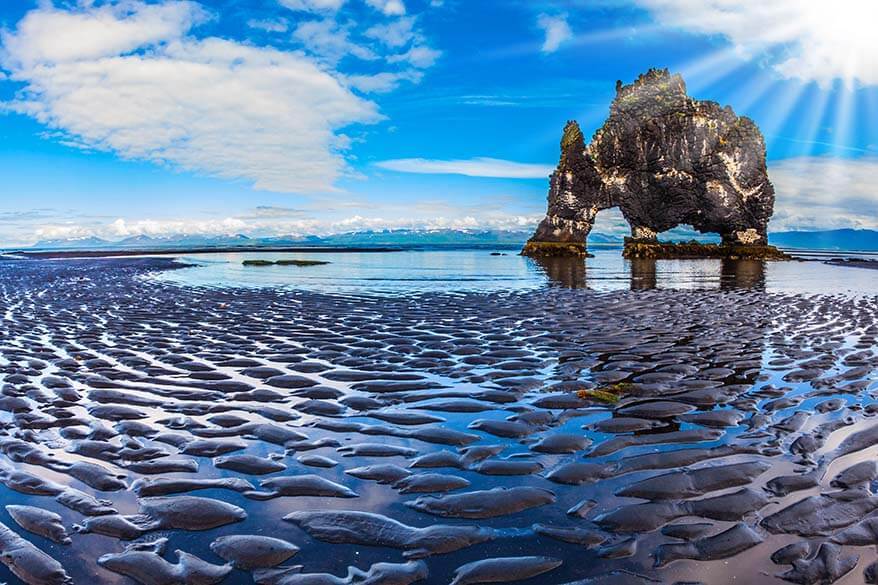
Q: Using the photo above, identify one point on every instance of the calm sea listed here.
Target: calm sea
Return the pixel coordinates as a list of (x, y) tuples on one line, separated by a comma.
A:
[(478, 270)]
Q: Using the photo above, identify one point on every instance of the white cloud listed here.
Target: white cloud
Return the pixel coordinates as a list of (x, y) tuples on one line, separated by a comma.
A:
[(48, 37), (805, 39), (825, 193), (330, 41), (388, 7), (382, 82), (122, 228), (62, 232), (314, 5), (557, 31), (273, 26), (396, 33), (475, 167), (126, 78), (419, 56), (284, 223), (401, 33)]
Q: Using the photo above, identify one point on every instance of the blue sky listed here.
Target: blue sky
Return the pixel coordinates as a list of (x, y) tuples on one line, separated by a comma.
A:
[(317, 116)]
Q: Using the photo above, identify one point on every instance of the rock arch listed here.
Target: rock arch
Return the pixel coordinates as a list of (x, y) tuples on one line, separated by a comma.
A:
[(664, 159)]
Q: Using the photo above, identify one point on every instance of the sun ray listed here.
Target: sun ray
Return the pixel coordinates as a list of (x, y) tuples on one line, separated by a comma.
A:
[(813, 121), (752, 92), (701, 73), (785, 96), (845, 113), (609, 35)]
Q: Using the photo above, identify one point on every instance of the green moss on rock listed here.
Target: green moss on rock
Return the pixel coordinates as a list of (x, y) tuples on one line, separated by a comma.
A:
[(572, 136), (647, 249), (555, 249), (301, 262), (284, 263)]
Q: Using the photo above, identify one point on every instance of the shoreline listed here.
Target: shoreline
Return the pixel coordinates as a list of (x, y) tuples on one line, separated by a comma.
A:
[(853, 263), (56, 254)]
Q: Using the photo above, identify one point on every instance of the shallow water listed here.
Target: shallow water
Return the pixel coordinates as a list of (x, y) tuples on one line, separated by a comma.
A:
[(479, 271), (738, 374)]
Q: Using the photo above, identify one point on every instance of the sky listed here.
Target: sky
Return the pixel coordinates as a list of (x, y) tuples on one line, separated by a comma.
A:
[(121, 118)]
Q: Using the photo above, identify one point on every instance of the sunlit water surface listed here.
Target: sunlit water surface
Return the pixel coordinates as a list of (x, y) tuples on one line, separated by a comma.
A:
[(479, 270)]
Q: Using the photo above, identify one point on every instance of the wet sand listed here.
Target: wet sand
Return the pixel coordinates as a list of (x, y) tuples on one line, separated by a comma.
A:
[(854, 263), (181, 434)]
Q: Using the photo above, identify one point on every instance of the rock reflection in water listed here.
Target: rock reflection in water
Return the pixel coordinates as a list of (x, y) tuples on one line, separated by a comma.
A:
[(643, 274), (742, 274), (648, 274), (563, 271)]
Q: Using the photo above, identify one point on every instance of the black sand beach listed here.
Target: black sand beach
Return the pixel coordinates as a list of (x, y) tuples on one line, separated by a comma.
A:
[(206, 435)]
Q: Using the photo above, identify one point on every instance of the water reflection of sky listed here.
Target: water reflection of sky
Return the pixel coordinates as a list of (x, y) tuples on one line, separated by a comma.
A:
[(479, 270)]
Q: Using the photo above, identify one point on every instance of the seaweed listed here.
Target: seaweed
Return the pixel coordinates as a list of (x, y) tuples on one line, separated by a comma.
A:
[(651, 249), (553, 249), (284, 263), (609, 394)]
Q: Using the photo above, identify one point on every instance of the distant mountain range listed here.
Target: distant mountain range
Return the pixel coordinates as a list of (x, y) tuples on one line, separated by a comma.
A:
[(402, 238), (143, 243), (842, 239)]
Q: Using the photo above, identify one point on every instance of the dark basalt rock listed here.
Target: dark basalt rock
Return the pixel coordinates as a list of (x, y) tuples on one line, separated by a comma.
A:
[(664, 159)]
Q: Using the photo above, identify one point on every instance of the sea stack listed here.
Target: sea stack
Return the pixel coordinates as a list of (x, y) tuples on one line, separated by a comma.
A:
[(664, 159)]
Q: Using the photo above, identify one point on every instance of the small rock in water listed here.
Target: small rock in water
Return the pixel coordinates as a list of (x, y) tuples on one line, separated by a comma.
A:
[(317, 461), (161, 486), (186, 513), (484, 504), (726, 544), (383, 473), (253, 552), (249, 464), (580, 536), (820, 515), (301, 485), (687, 531), (378, 574), (97, 476), (687, 484), (828, 566), (619, 550), (212, 448), (143, 562), (376, 450), (349, 527), (561, 443), (29, 563), (41, 522), (855, 475), (425, 483), (504, 569)]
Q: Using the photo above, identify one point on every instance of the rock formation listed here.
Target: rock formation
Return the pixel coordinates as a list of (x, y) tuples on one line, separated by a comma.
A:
[(664, 159)]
